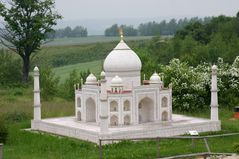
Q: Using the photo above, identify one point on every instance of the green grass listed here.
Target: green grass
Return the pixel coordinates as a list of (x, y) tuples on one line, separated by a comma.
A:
[(63, 72), (16, 108)]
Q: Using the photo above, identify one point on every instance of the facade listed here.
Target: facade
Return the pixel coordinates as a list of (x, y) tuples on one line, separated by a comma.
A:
[(127, 101)]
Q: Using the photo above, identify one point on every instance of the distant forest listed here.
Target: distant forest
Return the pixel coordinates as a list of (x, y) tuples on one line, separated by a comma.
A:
[(144, 29), (154, 28), (78, 31)]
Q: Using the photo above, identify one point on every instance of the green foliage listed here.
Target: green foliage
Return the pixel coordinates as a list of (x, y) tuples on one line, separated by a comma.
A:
[(114, 30), (63, 72), (228, 83), (189, 91), (16, 116), (48, 83), (10, 72), (3, 131), (199, 42), (236, 148), (65, 55), (191, 85), (67, 88), (154, 28), (27, 24), (78, 31)]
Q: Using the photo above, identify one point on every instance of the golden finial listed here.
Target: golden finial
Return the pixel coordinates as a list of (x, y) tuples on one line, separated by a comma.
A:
[(121, 33)]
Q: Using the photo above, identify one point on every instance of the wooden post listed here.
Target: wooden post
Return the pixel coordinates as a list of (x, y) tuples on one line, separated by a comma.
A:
[(1, 151), (158, 147), (100, 144)]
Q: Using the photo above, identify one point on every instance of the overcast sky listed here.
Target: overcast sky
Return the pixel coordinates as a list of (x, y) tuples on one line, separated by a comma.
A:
[(110, 9)]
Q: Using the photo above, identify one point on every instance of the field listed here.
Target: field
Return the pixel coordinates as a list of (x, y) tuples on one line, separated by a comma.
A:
[(64, 71), (61, 55), (91, 39), (16, 108)]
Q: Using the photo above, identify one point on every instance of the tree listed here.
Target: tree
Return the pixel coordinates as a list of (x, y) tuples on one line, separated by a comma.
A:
[(27, 23), (9, 66), (49, 83)]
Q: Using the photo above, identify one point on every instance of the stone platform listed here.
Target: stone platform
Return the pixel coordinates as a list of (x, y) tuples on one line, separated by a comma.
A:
[(180, 124)]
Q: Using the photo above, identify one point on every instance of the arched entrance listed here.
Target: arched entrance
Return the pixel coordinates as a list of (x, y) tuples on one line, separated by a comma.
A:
[(114, 120), (113, 106), (78, 102), (90, 110), (79, 116), (146, 110), (165, 116), (164, 102), (127, 120), (126, 105)]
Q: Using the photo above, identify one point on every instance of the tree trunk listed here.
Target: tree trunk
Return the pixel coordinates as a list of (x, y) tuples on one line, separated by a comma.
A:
[(25, 69)]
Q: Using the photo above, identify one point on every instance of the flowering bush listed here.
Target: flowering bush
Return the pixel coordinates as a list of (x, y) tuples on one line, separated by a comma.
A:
[(191, 85), (228, 77), (189, 89)]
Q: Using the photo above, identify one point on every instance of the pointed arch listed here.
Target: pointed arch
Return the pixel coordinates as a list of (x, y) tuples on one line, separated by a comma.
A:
[(90, 110), (126, 120), (165, 116), (113, 106), (146, 110), (114, 120), (79, 102), (164, 102), (79, 116), (127, 105)]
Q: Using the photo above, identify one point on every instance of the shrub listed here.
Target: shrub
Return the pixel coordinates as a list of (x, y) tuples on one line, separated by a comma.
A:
[(3, 131), (228, 82), (16, 116), (10, 69), (48, 82), (189, 91), (236, 148), (67, 88)]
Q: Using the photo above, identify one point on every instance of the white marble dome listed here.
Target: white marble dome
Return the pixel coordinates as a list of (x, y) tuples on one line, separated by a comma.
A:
[(91, 79), (122, 59), (214, 67), (102, 74), (155, 79), (116, 81)]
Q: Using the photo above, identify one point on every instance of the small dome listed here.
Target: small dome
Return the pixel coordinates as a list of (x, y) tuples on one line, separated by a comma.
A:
[(36, 68), (102, 74), (155, 79), (214, 67), (116, 81), (122, 59), (91, 79)]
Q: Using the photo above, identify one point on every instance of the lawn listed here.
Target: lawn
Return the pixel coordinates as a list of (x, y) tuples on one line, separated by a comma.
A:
[(16, 108)]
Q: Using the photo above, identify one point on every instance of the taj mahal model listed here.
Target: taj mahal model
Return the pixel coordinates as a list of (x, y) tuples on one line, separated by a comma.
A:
[(119, 96), (119, 106)]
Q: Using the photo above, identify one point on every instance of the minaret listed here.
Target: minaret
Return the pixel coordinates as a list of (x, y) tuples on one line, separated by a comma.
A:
[(103, 105), (37, 99), (214, 98), (121, 33)]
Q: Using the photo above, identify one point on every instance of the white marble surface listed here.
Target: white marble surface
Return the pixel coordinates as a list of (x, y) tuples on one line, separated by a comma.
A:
[(68, 126)]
